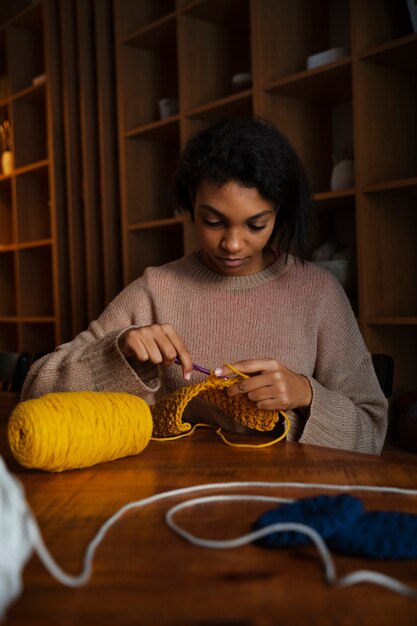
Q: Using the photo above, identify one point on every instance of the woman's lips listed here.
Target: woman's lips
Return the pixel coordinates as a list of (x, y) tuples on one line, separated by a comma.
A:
[(231, 262)]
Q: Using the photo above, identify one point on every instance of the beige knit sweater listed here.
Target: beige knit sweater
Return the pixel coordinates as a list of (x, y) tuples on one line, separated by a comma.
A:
[(297, 314)]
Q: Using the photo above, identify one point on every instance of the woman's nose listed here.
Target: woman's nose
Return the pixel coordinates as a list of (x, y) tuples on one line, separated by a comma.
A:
[(232, 241)]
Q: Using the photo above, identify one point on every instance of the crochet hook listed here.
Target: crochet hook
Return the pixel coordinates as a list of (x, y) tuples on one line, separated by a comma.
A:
[(196, 367)]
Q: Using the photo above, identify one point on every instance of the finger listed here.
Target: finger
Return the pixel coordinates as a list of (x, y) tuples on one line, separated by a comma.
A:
[(271, 405), (154, 353), (250, 367), (249, 385), (181, 350), (165, 345), (132, 346)]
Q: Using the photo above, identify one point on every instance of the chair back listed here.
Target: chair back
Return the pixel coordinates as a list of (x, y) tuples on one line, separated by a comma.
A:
[(384, 370), (13, 369)]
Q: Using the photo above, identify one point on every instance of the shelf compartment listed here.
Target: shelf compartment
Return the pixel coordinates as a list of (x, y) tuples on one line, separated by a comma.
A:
[(6, 213), (30, 127), (38, 337), (150, 59), (318, 133), (314, 27), (9, 337), (212, 52), (239, 104), (7, 284), (379, 22), (389, 256), (386, 124), (154, 246), (216, 11), (338, 224), (33, 206), (155, 36), (36, 281), (400, 54), (329, 84), (134, 15), (149, 166), (25, 48)]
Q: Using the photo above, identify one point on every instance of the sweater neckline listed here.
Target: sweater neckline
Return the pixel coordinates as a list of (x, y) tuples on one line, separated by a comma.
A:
[(206, 275)]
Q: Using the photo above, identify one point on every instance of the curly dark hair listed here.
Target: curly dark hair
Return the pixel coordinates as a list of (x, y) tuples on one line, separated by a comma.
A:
[(253, 153)]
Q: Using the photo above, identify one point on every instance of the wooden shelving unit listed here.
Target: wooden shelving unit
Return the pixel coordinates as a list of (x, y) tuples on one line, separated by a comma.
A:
[(191, 49), (33, 301)]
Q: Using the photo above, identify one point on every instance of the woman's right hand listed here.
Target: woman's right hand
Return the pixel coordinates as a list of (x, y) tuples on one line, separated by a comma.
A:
[(157, 343)]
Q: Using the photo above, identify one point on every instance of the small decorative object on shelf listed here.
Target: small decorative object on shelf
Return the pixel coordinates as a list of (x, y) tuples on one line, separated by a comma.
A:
[(335, 258), (242, 80), (167, 107), (6, 147), (343, 172), (39, 80), (327, 56)]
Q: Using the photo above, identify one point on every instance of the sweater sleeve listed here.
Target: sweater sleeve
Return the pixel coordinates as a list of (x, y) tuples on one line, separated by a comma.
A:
[(93, 360), (348, 408)]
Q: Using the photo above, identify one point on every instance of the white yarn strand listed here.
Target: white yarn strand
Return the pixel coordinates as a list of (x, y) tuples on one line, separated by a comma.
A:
[(20, 534), (354, 578), (15, 542)]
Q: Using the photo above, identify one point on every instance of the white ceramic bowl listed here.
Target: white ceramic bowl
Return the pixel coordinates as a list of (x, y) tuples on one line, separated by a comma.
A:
[(327, 56), (241, 80)]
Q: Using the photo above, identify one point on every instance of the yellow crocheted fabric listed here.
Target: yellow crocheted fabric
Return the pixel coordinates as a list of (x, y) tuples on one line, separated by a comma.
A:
[(167, 412)]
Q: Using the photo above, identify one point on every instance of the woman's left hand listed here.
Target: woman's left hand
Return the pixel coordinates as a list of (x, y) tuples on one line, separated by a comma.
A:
[(271, 385)]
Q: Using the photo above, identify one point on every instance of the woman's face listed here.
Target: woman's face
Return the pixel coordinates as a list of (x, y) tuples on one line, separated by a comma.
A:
[(234, 225)]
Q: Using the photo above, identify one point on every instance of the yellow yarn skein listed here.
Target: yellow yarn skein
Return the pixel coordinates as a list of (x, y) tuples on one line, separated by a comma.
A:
[(61, 431)]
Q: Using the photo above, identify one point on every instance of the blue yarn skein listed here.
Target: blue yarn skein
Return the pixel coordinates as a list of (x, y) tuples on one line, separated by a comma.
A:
[(379, 535), (346, 528), (326, 514)]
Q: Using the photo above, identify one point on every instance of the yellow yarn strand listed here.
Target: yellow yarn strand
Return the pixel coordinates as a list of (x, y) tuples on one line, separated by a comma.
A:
[(62, 431)]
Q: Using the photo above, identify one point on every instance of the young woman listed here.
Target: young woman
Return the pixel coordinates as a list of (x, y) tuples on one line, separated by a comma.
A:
[(241, 299)]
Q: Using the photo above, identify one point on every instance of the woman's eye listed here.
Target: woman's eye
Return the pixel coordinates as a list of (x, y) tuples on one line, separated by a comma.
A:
[(255, 227), (211, 223)]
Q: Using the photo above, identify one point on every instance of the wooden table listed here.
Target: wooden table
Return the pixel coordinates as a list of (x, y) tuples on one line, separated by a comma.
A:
[(145, 574)]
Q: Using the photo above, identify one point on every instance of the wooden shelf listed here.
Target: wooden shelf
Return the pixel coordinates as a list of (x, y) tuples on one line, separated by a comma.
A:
[(395, 187), (136, 16), (333, 198), (33, 167), (162, 223), (218, 12), (329, 83), (393, 321), (400, 54), (41, 243), (162, 129), (223, 106), (190, 49), (32, 283), (154, 36)]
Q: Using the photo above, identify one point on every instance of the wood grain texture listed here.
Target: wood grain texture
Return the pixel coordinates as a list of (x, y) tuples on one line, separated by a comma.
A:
[(144, 574)]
